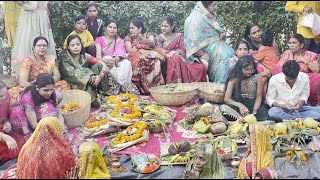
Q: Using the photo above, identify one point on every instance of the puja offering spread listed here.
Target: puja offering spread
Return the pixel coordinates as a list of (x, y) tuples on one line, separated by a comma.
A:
[(122, 99), (226, 147), (70, 107), (125, 113), (145, 163), (132, 135)]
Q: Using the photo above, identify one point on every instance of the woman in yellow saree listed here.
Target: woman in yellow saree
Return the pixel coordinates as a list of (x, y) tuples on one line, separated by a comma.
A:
[(259, 154), (93, 165), (46, 155)]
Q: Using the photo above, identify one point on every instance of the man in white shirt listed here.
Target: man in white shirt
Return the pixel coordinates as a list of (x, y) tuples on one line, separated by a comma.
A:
[(288, 93)]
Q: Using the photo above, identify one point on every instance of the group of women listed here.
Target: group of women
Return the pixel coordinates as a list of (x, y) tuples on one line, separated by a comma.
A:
[(134, 64)]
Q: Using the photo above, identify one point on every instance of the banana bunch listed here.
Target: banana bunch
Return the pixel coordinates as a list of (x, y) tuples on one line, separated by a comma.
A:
[(201, 127), (180, 158)]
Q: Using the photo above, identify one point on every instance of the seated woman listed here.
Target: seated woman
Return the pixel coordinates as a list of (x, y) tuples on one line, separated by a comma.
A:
[(242, 48), (93, 165), (252, 35), (10, 142), (206, 164), (46, 155), (86, 37), (259, 154), (85, 72), (35, 64), (35, 102), (145, 62), (244, 89), (176, 69), (204, 39), (307, 61), (111, 50)]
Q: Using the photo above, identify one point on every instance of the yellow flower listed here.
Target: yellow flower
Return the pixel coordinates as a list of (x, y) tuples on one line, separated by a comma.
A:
[(303, 156), (123, 138), (289, 154), (135, 112), (116, 99)]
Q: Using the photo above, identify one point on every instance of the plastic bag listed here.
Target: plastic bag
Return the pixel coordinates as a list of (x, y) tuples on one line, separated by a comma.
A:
[(312, 20)]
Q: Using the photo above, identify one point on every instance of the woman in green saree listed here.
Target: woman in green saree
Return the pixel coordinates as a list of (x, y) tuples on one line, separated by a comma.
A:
[(206, 164), (85, 72), (204, 40)]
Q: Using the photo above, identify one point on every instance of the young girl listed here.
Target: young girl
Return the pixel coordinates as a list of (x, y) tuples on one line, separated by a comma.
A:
[(86, 37), (10, 143), (242, 48), (35, 102), (244, 89)]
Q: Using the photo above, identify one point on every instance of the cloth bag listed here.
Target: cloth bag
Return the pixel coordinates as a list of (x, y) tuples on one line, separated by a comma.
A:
[(312, 20)]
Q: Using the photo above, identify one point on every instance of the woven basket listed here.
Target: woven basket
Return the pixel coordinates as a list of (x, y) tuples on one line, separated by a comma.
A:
[(179, 96), (212, 92), (76, 118)]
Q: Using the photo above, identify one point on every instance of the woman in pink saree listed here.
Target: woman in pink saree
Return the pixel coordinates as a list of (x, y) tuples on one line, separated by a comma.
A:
[(111, 50), (35, 102), (308, 63), (176, 69)]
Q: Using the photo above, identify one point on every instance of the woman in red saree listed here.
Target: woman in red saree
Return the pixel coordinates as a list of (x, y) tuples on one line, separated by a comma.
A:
[(46, 155), (145, 62), (177, 70), (10, 142)]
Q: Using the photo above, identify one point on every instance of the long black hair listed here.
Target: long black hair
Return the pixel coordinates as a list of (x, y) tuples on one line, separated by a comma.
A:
[(170, 21), (139, 24), (107, 22), (237, 74), (248, 29), (42, 80)]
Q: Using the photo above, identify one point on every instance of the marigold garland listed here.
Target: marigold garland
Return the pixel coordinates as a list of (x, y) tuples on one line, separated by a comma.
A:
[(135, 112), (70, 107), (91, 123), (115, 99), (123, 138)]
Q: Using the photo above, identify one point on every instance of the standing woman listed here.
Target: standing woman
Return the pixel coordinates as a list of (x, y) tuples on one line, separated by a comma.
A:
[(176, 69), (111, 50), (86, 72), (205, 40), (145, 62), (10, 142), (33, 22)]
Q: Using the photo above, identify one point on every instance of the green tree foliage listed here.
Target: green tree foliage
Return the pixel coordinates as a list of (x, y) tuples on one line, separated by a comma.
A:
[(234, 15)]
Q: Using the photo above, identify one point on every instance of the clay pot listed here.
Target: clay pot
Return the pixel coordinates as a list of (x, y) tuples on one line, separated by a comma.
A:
[(235, 161)]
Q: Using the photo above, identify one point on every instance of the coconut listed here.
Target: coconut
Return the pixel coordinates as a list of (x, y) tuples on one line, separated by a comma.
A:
[(206, 109), (218, 128), (310, 123), (250, 118)]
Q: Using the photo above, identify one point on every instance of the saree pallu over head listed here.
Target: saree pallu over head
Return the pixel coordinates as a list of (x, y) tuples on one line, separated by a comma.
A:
[(93, 165), (46, 155), (260, 151), (202, 31), (213, 166)]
